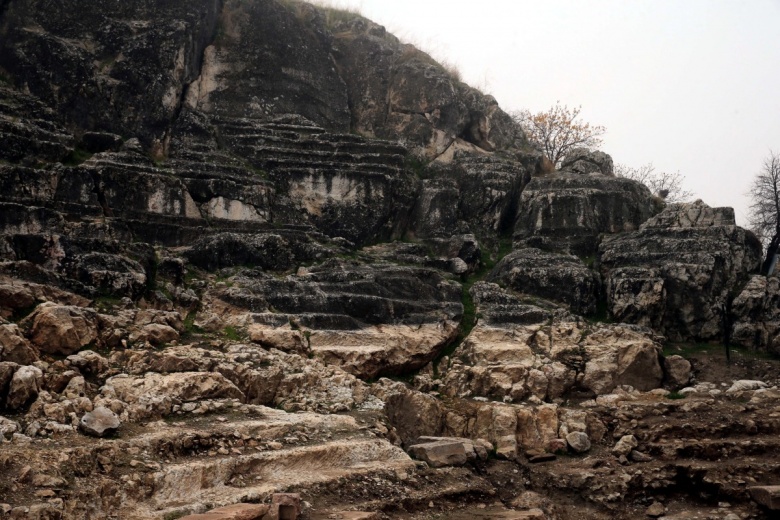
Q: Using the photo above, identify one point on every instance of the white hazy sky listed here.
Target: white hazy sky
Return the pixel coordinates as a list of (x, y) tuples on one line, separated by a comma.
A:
[(689, 85)]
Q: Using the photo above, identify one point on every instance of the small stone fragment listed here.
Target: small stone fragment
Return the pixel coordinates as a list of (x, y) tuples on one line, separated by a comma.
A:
[(655, 510), (625, 445), (638, 456), (99, 422), (579, 442)]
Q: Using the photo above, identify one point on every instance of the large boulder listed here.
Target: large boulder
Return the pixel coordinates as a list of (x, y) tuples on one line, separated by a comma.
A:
[(585, 162), (677, 272), (557, 277), (24, 387), (63, 329), (568, 212), (440, 453), (14, 346)]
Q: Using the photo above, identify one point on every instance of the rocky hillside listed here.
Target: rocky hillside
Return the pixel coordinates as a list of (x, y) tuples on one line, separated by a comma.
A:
[(258, 246)]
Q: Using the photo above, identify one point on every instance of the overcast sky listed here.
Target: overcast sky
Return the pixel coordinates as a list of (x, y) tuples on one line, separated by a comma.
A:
[(689, 85)]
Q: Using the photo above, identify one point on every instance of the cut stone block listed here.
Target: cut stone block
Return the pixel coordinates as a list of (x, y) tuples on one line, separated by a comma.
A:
[(440, 453)]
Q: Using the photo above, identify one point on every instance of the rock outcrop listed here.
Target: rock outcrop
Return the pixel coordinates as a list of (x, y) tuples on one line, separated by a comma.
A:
[(756, 315), (585, 162), (557, 277), (223, 223), (373, 320), (519, 351), (568, 212), (679, 270)]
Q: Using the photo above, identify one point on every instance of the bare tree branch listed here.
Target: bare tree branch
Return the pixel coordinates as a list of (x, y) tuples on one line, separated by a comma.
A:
[(764, 216), (667, 185)]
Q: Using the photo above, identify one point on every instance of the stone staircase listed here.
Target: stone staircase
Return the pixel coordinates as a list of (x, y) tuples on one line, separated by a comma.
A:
[(196, 463)]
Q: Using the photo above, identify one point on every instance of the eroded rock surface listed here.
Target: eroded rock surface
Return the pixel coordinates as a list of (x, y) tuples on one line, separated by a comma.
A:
[(221, 223), (562, 278), (676, 274), (519, 350), (568, 212)]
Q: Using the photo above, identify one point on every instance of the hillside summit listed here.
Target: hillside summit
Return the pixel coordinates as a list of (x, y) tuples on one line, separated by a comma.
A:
[(256, 247)]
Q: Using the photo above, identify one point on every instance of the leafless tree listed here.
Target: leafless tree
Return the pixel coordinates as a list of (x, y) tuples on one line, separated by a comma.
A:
[(765, 207), (667, 185), (558, 131)]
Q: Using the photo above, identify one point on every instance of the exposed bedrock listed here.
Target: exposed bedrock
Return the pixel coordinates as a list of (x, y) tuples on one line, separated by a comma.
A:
[(584, 161), (679, 271), (398, 92), (122, 67), (756, 314), (370, 319), (558, 277), (568, 212), (520, 350), (341, 184), (476, 194)]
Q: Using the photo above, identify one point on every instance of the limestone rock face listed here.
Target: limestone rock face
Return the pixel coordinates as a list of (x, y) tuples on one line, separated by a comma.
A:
[(474, 194), (140, 55), (63, 329), (398, 91), (567, 212), (677, 271), (249, 71), (557, 277), (756, 314), (370, 319), (518, 351), (32, 129), (267, 251)]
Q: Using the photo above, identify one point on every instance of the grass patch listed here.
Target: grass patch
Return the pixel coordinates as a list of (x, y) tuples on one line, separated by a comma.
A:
[(190, 329), (417, 166), (675, 395), (106, 303), (232, 333), (259, 172), (691, 349), (602, 313), (470, 315), (589, 261), (76, 157), (335, 16)]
